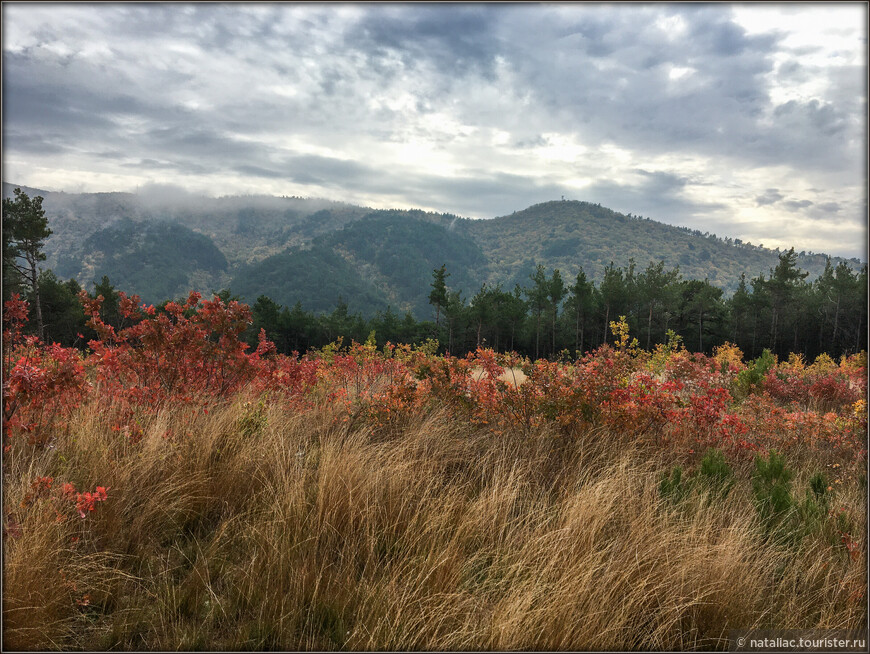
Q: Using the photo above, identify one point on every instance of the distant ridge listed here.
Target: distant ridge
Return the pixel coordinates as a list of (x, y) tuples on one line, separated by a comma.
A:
[(566, 234)]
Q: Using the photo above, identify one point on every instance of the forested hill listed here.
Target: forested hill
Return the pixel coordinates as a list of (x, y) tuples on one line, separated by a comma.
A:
[(385, 259), (313, 251), (87, 240), (568, 234)]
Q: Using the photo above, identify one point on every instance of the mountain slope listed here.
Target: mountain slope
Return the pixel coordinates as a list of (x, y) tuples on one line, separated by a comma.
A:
[(568, 234), (371, 258), (157, 260), (317, 278), (245, 228), (385, 258), (399, 250)]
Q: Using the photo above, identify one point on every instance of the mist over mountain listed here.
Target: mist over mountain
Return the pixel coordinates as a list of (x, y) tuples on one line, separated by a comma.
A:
[(162, 242)]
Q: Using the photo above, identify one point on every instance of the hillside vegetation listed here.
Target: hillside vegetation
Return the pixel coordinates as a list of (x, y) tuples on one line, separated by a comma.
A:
[(317, 278), (570, 234), (384, 259), (391, 253), (158, 258)]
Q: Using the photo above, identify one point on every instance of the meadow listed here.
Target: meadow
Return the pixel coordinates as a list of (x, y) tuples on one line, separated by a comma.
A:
[(170, 489)]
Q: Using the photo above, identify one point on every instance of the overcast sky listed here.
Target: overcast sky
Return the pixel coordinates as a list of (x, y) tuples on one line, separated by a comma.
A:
[(748, 121)]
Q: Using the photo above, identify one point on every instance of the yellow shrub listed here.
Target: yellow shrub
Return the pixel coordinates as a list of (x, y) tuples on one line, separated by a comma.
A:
[(823, 365), (728, 354)]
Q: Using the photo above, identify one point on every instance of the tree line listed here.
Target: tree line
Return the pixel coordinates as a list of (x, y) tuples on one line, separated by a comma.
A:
[(781, 311), (548, 317)]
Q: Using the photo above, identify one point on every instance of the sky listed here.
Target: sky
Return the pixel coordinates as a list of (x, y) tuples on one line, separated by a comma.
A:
[(743, 120)]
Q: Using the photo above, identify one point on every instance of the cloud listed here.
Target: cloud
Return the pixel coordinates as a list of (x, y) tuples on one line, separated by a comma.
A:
[(692, 114), (165, 192), (770, 196), (797, 205), (455, 41), (660, 193)]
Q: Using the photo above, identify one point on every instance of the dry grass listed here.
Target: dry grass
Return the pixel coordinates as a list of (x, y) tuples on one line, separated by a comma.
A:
[(258, 528), (512, 376)]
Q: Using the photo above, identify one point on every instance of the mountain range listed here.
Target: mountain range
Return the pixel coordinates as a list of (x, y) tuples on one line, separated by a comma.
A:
[(313, 251)]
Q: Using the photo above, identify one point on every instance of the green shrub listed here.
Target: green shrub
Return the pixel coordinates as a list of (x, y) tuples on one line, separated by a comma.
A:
[(819, 486), (253, 420), (771, 486), (672, 486), (816, 505), (751, 378), (716, 474)]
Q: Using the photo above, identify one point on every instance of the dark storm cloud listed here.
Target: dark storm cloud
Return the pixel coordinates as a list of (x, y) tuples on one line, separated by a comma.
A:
[(32, 106), (662, 182), (720, 37), (258, 171), (21, 141), (111, 154), (328, 172), (455, 40), (824, 118), (630, 99), (199, 142), (717, 109), (76, 108)]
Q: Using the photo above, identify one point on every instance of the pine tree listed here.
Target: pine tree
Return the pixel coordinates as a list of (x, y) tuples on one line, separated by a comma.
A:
[(538, 297), (555, 293), (782, 287), (25, 229), (438, 296), (579, 304)]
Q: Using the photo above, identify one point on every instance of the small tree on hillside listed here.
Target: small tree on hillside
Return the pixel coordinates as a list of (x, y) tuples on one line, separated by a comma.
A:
[(438, 296), (109, 309), (580, 305), (782, 289), (538, 300), (25, 229), (555, 293)]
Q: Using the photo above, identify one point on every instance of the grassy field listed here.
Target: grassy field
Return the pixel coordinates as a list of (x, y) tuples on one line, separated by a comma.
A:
[(300, 533), (397, 500)]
